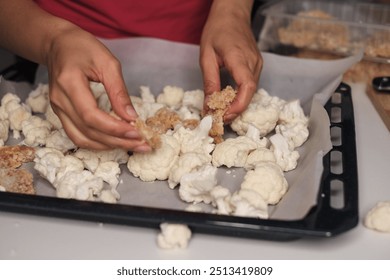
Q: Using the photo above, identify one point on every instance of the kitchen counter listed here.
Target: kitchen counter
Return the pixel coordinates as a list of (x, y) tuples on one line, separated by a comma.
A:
[(36, 237)]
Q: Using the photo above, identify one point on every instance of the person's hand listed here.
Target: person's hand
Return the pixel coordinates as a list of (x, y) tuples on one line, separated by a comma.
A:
[(75, 58), (227, 41)]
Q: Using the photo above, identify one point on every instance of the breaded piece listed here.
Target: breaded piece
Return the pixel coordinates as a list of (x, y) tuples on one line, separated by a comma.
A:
[(190, 123), (163, 120), (218, 103), (17, 180), (151, 137), (15, 156)]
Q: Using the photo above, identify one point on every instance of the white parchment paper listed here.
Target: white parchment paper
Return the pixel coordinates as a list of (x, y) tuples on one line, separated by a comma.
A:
[(157, 63)]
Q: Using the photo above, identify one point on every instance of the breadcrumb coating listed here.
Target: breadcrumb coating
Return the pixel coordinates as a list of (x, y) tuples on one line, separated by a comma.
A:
[(15, 156)]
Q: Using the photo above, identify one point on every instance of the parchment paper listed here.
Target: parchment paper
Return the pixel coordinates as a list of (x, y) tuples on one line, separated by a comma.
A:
[(157, 63)]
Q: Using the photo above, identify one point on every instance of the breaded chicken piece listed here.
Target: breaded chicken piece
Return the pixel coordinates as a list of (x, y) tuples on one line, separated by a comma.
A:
[(218, 103), (17, 180), (163, 120), (15, 156)]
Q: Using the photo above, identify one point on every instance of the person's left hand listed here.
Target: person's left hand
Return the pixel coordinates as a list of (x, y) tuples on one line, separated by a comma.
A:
[(227, 41)]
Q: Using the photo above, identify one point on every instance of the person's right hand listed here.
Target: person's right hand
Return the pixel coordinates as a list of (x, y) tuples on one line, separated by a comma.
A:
[(74, 59)]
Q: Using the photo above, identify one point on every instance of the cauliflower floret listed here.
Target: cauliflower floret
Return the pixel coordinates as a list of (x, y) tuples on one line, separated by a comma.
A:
[(295, 133), (193, 99), (378, 218), (38, 99), (82, 185), (287, 159), (292, 112), (220, 198), (146, 95), (186, 163), (293, 124), (262, 112), (173, 236), (97, 89), (259, 155), (196, 140), (48, 163), (196, 186), (157, 164), (235, 151), (186, 114), (249, 203), (4, 129), (268, 180), (58, 139), (171, 96), (17, 112), (69, 163), (118, 155), (109, 171), (35, 131), (89, 159), (52, 118)]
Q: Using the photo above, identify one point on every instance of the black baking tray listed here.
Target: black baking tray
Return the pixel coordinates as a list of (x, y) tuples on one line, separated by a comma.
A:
[(323, 220)]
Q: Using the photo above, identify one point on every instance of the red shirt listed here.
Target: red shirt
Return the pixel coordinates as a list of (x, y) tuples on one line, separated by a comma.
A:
[(175, 20)]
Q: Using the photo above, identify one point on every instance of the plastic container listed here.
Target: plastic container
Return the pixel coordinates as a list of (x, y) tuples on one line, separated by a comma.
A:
[(338, 27)]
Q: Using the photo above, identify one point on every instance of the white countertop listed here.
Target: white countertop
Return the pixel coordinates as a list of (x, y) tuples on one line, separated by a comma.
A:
[(36, 237)]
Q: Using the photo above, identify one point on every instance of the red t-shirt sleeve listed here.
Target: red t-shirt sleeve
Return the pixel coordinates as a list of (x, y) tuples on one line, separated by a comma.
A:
[(175, 20)]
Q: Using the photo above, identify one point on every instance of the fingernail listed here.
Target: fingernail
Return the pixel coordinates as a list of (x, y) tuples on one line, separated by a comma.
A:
[(130, 111), (230, 117), (142, 149), (132, 134)]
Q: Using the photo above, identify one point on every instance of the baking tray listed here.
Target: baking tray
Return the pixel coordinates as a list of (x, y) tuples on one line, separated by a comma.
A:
[(326, 219)]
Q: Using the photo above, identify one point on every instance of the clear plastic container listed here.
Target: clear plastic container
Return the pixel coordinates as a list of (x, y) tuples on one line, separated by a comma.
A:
[(338, 27)]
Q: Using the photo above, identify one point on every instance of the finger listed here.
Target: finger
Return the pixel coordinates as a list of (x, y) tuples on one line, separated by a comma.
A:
[(82, 109), (246, 78), (210, 71), (106, 142), (114, 84)]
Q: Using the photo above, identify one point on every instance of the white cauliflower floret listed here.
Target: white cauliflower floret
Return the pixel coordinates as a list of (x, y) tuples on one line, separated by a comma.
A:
[(4, 129), (196, 140), (58, 139), (186, 163), (109, 196), (89, 159), (233, 152), (69, 163), (17, 112), (193, 99), (196, 186), (295, 133), (171, 96), (157, 164), (82, 185), (249, 203), (262, 112), (259, 155), (287, 159), (293, 124), (118, 155), (378, 218), (35, 131), (146, 95), (38, 99), (104, 103), (173, 236), (109, 171), (186, 114), (146, 110), (268, 180), (52, 118), (292, 112), (97, 89), (48, 163), (220, 198)]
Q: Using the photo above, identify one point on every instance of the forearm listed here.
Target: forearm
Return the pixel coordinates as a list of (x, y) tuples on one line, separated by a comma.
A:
[(29, 31)]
